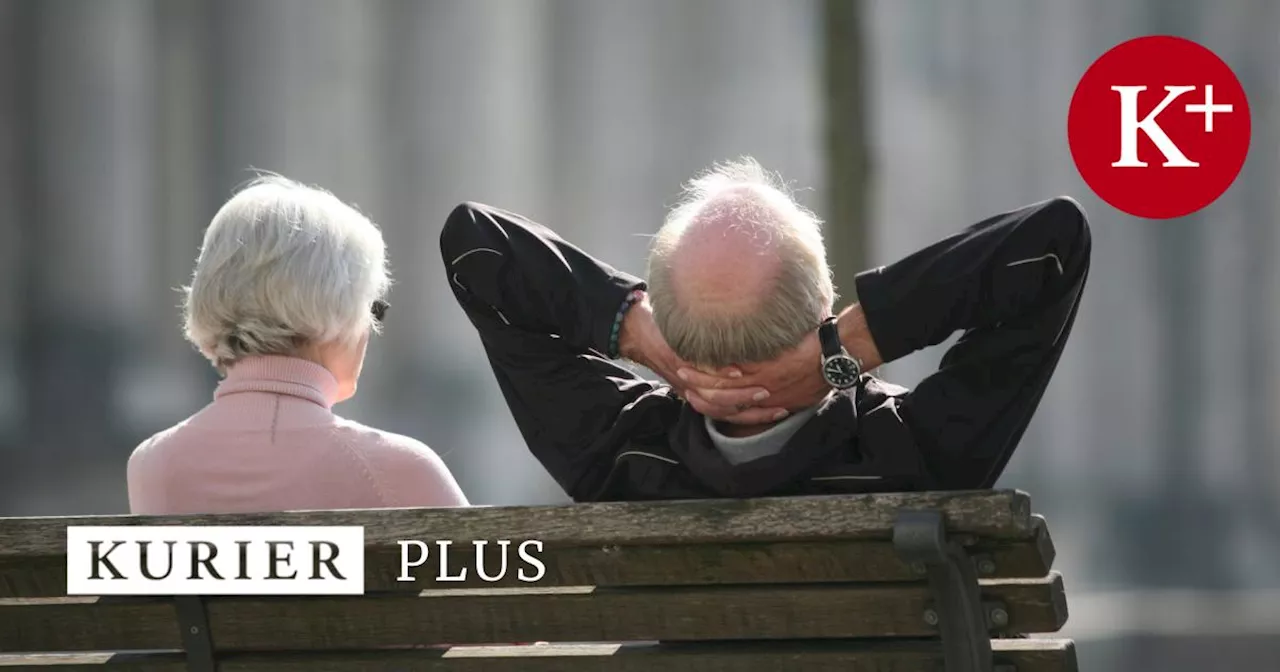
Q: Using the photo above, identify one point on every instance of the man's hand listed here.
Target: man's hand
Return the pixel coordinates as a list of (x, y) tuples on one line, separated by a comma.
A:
[(794, 379), (641, 342)]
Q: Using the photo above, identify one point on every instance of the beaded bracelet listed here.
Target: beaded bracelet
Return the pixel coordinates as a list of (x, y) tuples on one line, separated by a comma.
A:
[(632, 299)]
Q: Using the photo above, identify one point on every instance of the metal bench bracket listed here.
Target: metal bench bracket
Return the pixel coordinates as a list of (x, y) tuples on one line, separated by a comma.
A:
[(196, 638), (920, 539)]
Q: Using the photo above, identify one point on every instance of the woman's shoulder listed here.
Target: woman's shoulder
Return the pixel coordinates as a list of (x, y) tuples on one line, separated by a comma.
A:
[(150, 466), (409, 472), (157, 443), (380, 443)]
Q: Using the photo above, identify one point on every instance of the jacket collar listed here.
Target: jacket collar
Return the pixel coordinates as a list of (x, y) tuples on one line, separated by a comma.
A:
[(276, 374), (831, 429)]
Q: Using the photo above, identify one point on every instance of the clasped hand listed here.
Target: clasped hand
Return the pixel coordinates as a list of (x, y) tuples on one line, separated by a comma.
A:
[(748, 394)]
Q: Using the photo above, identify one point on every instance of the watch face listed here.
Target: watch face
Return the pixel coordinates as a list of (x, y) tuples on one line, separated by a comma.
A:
[(841, 372)]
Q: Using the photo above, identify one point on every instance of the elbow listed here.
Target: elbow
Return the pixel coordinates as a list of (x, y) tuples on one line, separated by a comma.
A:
[(471, 232), (1067, 218), (1068, 228), (459, 227)]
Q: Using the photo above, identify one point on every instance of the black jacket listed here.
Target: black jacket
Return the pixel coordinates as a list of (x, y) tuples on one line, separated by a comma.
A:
[(544, 310)]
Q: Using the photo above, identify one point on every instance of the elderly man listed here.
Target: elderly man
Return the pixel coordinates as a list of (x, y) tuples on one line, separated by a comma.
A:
[(766, 391)]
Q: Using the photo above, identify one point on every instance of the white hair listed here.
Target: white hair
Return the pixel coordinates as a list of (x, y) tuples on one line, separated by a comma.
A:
[(801, 296), (284, 265)]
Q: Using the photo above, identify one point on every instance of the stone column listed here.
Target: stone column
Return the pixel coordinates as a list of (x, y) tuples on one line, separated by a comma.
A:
[(466, 120), (94, 113), (170, 380), (14, 213)]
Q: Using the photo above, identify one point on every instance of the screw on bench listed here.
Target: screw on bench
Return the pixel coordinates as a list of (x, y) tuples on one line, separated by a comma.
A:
[(986, 566), (999, 617), (193, 622), (930, 617)]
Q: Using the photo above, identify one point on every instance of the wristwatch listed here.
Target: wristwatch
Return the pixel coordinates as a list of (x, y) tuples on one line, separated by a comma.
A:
[(839, 369)]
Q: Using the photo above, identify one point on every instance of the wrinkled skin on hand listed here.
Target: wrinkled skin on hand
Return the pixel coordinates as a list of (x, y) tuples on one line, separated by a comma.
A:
[(734, 401), (793, 381)]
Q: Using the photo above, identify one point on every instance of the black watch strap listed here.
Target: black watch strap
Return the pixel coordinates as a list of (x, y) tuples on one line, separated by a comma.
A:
[(829, 338)]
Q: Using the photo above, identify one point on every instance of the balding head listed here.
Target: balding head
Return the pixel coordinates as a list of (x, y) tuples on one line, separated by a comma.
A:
[(738, 272)]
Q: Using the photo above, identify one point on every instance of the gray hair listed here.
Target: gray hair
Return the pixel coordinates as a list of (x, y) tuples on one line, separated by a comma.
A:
[(801, 296), (283, 265)]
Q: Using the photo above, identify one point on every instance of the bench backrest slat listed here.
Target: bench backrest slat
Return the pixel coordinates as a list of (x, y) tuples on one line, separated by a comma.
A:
[(514, 615), (899, 656), (784, 540), (997, 514), (800, 562)]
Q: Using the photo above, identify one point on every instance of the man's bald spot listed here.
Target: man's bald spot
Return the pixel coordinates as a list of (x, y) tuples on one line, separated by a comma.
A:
[(726, 260)]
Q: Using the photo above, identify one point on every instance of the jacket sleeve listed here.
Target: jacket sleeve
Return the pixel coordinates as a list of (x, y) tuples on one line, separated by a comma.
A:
[(544, 311), (1012, 285)]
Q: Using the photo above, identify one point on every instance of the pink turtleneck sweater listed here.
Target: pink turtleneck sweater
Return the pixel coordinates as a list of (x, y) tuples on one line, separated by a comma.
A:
[(270, 442)]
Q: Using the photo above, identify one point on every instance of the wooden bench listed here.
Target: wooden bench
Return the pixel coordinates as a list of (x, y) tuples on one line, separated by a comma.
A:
[(898, 582)]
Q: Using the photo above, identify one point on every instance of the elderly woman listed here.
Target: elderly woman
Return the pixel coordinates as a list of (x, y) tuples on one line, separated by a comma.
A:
[(288, 287)]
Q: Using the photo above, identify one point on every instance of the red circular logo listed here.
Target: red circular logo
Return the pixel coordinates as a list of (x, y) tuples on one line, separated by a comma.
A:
[(1159, 127)]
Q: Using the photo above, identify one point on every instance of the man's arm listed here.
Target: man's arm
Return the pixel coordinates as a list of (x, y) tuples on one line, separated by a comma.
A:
[(545, 312), (1012, 284)]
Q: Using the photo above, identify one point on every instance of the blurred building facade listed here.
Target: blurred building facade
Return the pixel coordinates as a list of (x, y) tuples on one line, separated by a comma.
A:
[(125, 123)]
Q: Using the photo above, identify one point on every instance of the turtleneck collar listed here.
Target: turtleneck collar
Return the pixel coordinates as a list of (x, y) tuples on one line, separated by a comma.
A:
[(281, 375), (739, 449)]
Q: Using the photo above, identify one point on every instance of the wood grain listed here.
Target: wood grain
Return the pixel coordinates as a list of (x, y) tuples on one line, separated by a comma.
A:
[(788, 540), (815, 611), (1000, 514), (722, 564), (1050, 655), (652, 565)]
